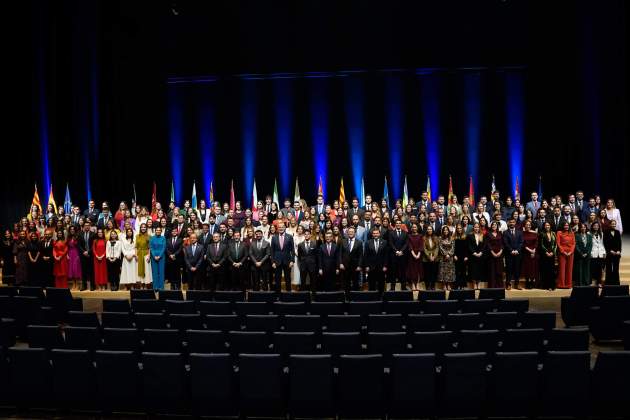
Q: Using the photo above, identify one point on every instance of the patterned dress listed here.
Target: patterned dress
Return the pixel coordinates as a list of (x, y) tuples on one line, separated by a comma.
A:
[(447, 265)]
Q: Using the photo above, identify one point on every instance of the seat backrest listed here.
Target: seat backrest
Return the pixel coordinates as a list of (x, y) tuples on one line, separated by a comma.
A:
[(30, 376), (463, 380), (287, 343), (365, 308), (185, 322), (513, 385), (424, 322), (180, 306), (162, 340), (147, 306), (248, 342), (611, 383), (266, 323), (500, 320), (569, 339), (385, 323), (302, 323), (541, 319), (262, 385), (327, 308), (164, 383), (83, 338), (116, 305), (116, 320), (82, 319), (523, 340), (584, 293), (223, 322), (289, 308), (513, 305), (438, 342), (199, 295), (565, 385), (387, 344), (32, 291), (472, 341), (338, 296), (425, 295), (461, 294), (442, 307), (142, 294), (403, 307), (252, 308), (205, 341), (150, 320), (615, 290), (361, 386), (44, 336), (229, 296), (495, 293), (343, 323), (468, 321), (262, 296), (481, 306), (398, 295), (118, 380), (213, 385), (73, 369), (121, 339), (340, 343), (364, 296), (303, 296), (170, 295), (408, 374), (311, 391), (206, 307)]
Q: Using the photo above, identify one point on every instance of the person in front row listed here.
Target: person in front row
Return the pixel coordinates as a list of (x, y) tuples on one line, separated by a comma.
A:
[(237, 259), (193, 258), (307, 262), (351, 260), (376, 261), (282, 257), (260, 254), (329, 260), (216, 254)]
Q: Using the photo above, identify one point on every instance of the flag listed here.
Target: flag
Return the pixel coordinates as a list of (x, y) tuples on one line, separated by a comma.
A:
[(67, 202), (471, 194), (540, 196), (320, 187), (51, 199), (133, 199), (153, 198), (429, 189), (275, 192), (172, 191), (232, 197), (342, 193), (517, 190), (296, 195), (36, 201), (211, 193), (362, 198), (405, 193), (254, 201), (450, 190), (386, 193), (493, 189), (193, 201)]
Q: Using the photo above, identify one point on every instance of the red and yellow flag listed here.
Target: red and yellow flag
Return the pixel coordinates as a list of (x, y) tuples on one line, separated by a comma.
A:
[(450, 190), (342, 193), (51, 200), (36, 201), (471, 193)]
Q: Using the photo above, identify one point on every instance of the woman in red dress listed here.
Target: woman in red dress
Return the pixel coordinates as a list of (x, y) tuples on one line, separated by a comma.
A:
[(566, 251), (60, 263), (414, 265), (529, 268), (99, 249), (495, 246)]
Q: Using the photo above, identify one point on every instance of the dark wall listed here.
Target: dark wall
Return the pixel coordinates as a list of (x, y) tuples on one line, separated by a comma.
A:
[(103, 66)]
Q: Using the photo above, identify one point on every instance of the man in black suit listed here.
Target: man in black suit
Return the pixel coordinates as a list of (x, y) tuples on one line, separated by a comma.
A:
[(260, 255), (206, 237), (367, 223), (308, 261), (351, 260), (329, 260), (433, 222), (398, 246), (174, 260), (91, 212), (237, 261), (567, 215), (86, 238), (216, 253), (193, 258), (376, 261), (539, 223), (512, 244), (282, 257), (556, 219), (355, 209), (47, 260), (212, 226), (180, 226)]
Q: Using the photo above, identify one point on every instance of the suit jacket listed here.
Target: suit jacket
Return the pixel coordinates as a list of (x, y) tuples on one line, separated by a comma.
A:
[(533, 206), (308, 257), (351, 259), (612, 243), (374, 258), (358, 211), (175, 249), (284, 255), (287, 211), (555, 226), (512, 242), (398, 242), (103, 219), (237, 256), (360, 233), (181, 231), (260, 255), (213, 228), (329, 261), (214, 256), (193, 259), (91, 214), (86, 246), (205, 239)]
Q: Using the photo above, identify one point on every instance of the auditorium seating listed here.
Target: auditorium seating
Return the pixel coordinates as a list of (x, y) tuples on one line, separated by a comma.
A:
[(607, 318)]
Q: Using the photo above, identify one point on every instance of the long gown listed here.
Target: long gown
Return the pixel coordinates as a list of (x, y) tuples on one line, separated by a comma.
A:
[(461, 252), (99, 247), (566, 243), (415, 273), (74, 261), (295, 271), (21, 268), (60, 267), (477, 265), (495, 265), (129, 267), (34, 268), (144, 264), (447, 266), (529, 268), (157, 244)]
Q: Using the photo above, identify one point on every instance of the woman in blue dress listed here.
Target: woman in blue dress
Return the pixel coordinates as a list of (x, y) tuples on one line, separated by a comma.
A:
[(157, 246)]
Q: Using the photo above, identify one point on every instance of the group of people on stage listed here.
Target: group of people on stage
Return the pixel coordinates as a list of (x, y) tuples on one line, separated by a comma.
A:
[(547, 243)]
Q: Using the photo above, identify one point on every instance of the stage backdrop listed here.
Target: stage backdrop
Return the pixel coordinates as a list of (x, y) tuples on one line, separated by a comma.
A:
[(102, 95)]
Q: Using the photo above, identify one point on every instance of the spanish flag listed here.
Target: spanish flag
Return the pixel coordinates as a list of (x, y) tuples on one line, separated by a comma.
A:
[(51, 199), (342, 193), (36, 201), (450, 190), (320, 187)]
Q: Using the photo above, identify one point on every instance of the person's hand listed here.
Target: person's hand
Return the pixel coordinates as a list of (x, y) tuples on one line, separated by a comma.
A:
[(367, 269), (336, 271), (358, 269), (85, 253), (258, 264), (455, 258), (321, 272), (384, 269), (341, 267), (193, 269), (291, 265), (273, 265)]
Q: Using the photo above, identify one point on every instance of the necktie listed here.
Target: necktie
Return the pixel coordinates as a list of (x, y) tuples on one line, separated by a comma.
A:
[(216, 248), (351, 244), (174, 242), (328, 249), (259, 244), (376, 245), (281, 241), (308, 245), (399, 232), (237, 249), (194, 248)]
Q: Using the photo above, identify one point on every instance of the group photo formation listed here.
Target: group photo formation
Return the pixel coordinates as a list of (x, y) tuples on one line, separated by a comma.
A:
[(315, 209), (352, 244)]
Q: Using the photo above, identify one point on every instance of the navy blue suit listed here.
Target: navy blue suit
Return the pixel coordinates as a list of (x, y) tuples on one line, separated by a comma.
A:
[(512, 242), (282, 257)]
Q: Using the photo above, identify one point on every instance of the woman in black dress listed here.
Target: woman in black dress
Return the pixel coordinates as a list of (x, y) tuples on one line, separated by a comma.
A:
[(548, 249), (7, 261), (20, 252), (461, 257), (34, 264), (476, 256), (612, 243)]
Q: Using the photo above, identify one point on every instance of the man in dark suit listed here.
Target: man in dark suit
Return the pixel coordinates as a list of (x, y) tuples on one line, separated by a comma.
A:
[(540, 221), (567, 215), (355, 209), (180, 226), (512, 244), (86, 238), (237, 261), (216, 253), (329, 260), (282, 257), (174, 260), (91, 212), (351, 260), (433, 222), (47, 260), (308, 261), (556, 219), (320, 207), (376, 261), (398, 246), (212, 226), (298, 211), (206, 237), (367, 223), (193, 258), (75, 216), (104, 217), (260, 255)]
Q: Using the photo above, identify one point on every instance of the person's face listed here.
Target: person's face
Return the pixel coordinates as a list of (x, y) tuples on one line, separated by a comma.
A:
[(355, 203), (193, 238), (397, 224), (258, 235), (580, 195), (86, 227), (542, 213), (591, 202), (355, 220), (180, 219), (268, 200), (205, 228), (511, 223), (613, 224), (222, 228), (567, 210), (556, 211), (91, 204), (237, 236), (441, 212), (609, 204), (565, 227), (425, 196), (441, 200), (432, 217), (143, 228), (367, 216), (281, 229), (216, 237), (174, 233), (429, 230), (296, 205), (376, 234), (575, 220), (158, 231), (571, 198)]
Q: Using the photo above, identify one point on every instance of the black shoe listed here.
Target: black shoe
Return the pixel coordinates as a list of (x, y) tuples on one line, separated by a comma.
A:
[(83, 289)]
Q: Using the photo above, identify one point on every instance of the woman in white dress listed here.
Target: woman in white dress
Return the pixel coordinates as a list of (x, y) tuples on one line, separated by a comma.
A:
[(129, 269), (613, 214), (203, 213), (141, 218), (298, 238)]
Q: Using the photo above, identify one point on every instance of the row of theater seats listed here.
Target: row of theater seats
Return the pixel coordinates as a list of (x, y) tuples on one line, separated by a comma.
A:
[(604, 312), (267, 385), (260, 340)]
